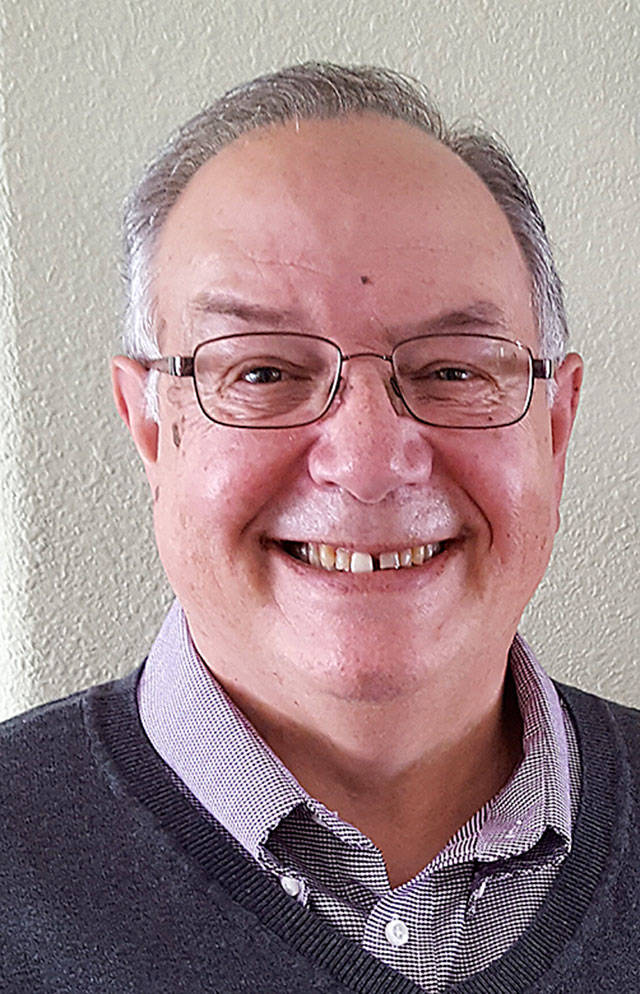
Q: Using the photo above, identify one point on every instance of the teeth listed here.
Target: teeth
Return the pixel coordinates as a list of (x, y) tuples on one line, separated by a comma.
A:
[(389, 560), (331, 558), (361, 562), (327, 556)]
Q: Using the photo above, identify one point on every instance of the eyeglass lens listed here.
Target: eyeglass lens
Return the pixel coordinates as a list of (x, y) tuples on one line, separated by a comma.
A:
[(280, 379)]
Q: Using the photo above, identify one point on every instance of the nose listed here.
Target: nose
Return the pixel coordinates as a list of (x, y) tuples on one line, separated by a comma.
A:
[(368, 444)]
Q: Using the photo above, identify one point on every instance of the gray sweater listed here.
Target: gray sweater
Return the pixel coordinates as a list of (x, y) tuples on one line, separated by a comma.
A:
[(113, 879)]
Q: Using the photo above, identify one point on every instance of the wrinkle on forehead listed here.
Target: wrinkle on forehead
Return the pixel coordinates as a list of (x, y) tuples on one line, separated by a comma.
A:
[(209, 301), (296, 224)]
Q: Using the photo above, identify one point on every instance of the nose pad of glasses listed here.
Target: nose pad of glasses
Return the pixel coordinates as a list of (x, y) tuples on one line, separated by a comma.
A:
[(396, 398), (395, 387), (391, 387)]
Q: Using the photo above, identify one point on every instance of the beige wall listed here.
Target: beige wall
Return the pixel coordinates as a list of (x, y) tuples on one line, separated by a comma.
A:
[(89, 90)]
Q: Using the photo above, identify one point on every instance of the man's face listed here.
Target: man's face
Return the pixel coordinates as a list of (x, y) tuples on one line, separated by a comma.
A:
[(361, 230)]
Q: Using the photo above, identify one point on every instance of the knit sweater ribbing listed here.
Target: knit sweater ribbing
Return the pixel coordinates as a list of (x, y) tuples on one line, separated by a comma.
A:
[(114, 879)]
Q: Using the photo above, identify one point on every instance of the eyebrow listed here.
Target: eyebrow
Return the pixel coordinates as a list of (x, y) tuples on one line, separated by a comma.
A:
[(482, 312), (207, 302), (479, 312)]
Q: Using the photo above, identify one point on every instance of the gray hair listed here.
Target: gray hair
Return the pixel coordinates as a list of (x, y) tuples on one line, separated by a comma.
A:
[(324, 90)]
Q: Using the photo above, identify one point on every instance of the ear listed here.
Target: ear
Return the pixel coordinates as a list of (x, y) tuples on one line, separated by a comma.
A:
[(129, 380), (568, 380)]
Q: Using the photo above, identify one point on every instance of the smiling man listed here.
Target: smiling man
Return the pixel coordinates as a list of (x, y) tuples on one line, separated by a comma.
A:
[(340, 767)]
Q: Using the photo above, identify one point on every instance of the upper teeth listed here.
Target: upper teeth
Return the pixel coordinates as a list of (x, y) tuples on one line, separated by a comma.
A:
[(331, 557)]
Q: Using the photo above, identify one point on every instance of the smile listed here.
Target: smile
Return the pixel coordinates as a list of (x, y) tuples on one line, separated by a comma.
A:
[(340, 559)]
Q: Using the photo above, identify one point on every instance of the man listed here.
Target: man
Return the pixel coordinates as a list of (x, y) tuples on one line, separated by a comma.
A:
[(340, 768)]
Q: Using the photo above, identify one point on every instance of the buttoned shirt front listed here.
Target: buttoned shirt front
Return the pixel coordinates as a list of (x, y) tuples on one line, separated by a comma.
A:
[(458, 914)]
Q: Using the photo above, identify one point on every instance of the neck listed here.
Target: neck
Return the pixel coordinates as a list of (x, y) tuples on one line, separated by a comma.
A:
[(408, 773)]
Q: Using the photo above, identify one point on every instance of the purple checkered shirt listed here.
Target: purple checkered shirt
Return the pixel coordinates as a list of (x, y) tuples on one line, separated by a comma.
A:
[(463, 910)]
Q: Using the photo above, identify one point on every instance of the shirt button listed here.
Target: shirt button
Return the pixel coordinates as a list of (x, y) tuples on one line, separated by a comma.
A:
[(291, 886), (396, 932)]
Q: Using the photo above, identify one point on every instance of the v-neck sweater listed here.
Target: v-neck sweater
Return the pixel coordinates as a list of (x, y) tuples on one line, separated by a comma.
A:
[(458, 913), (113, 878)]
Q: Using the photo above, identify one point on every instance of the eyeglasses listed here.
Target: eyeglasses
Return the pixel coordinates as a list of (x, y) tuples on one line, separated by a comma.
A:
[(286, 379)]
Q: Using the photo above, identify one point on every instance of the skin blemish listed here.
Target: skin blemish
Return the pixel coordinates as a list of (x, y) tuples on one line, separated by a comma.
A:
[(365, 279), (175, 432), (156, 495)]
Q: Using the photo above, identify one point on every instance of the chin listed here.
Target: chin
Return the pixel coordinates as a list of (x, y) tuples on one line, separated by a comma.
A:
[(364, 679)]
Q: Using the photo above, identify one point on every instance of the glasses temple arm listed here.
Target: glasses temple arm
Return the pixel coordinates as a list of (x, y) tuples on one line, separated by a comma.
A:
[(174, 365), (544, 369)]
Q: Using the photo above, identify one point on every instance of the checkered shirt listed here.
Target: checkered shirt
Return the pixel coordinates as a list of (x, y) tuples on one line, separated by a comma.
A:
[(463, 910)]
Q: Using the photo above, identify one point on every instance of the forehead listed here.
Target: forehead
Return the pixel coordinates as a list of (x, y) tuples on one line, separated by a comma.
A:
[(362, 214)]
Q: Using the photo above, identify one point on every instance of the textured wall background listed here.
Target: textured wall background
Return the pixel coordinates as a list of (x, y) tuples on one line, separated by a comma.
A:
[(89, 92)]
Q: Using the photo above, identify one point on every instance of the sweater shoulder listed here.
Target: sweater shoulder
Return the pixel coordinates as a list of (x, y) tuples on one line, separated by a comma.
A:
[(59, 713), (615, 726), (586, 706), (60, 717), (47, 748)]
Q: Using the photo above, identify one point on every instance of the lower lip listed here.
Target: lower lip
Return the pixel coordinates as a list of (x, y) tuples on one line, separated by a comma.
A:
[(374, 581)]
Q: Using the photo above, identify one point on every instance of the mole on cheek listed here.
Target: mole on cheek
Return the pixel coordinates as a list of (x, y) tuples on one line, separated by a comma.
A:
[(177, 438), (365, 279)]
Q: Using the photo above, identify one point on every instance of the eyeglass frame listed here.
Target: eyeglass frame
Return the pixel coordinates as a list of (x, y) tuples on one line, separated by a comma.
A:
[(184, 366)]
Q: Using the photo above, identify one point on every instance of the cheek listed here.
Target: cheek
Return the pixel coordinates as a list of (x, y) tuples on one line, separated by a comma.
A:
[(509, 478), (198, 519), (214, 481), (523, 521)]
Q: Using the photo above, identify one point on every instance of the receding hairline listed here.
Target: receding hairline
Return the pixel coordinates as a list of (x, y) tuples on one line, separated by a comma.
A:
[(466, 183), (274, 132), (269, 133), (317, 90)]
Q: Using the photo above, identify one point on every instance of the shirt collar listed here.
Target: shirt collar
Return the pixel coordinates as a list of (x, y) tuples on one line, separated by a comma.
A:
[(207, 741), (538, 795), (213, 748)]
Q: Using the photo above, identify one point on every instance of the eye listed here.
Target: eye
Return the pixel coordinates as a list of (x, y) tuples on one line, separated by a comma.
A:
[(452, 374), (262, 374)]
